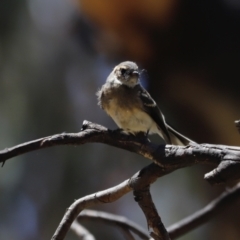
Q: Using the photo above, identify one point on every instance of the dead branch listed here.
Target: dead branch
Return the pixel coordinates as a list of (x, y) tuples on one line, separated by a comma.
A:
[(146, 176), (140, 184), (226, 159), (106, 196), (127, 234), (81, 232)]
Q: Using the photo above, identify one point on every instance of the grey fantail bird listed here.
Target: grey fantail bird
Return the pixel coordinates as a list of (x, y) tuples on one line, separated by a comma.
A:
[(131, 106)]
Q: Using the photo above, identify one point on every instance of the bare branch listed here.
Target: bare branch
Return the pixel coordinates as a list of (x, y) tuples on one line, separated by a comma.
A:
[(140, 183), (146, 176), (143, 198), (81, 232), (127, 234), (90, 132), (106, 196), (170, 157), (114, 219), (200, 217)]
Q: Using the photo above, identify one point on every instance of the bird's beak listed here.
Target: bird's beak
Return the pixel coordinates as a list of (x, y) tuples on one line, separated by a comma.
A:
[(135, 73)]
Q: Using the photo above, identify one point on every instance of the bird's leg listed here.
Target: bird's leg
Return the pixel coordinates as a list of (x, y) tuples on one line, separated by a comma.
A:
[(118, 130), (143, 136), (122, 131), (146, 136), (147, 133)]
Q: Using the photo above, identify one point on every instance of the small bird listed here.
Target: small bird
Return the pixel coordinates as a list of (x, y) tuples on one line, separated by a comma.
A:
[(131, 106)]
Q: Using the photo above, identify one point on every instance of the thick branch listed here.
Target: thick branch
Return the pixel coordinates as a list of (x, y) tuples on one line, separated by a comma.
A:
[(89, 133), (168, 158), (106, 196), (140, 184), (226, 158), (144, 177), (144, 200)]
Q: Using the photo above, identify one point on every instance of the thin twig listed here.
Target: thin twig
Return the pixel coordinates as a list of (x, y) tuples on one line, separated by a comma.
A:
[(127, 234), (81, 232)]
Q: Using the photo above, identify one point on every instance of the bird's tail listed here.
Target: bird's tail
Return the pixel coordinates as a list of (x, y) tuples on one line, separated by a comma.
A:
[(177, 138)]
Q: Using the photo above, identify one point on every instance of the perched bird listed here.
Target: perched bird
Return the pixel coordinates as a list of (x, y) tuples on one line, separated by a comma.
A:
[(131, 106)]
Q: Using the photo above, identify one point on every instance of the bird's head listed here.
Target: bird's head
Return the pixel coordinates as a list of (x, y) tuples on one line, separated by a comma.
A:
[(127, 73)]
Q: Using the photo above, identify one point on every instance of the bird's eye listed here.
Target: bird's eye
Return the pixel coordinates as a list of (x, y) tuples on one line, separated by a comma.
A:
[(123, 71)]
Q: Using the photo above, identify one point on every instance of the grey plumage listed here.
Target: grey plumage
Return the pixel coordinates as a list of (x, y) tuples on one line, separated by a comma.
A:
[(131, 106)]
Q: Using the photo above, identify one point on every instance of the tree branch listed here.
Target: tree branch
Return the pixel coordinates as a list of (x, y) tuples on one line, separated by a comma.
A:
[(140, 184), (170, 157), (106, 196), (81, 232), (146, 176), (127, 234), (144, 200)]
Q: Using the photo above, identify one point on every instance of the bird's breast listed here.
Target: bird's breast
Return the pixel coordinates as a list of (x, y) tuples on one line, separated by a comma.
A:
[(118, 96), (124, 106)]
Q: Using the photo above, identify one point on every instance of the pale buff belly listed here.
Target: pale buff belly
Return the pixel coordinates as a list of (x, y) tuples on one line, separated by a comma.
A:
[(131, 119)]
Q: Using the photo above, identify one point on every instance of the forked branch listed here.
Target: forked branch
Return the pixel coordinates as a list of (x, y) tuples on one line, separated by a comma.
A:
[(167, 158), (225, 159)]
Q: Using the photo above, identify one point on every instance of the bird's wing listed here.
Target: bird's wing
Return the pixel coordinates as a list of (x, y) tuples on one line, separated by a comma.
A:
[(151, 108)]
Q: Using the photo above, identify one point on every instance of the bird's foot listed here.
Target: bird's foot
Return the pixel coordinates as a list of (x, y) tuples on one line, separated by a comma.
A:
[(142, 136)]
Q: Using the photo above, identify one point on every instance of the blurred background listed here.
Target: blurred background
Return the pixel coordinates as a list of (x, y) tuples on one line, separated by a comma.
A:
[(55, 55)]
